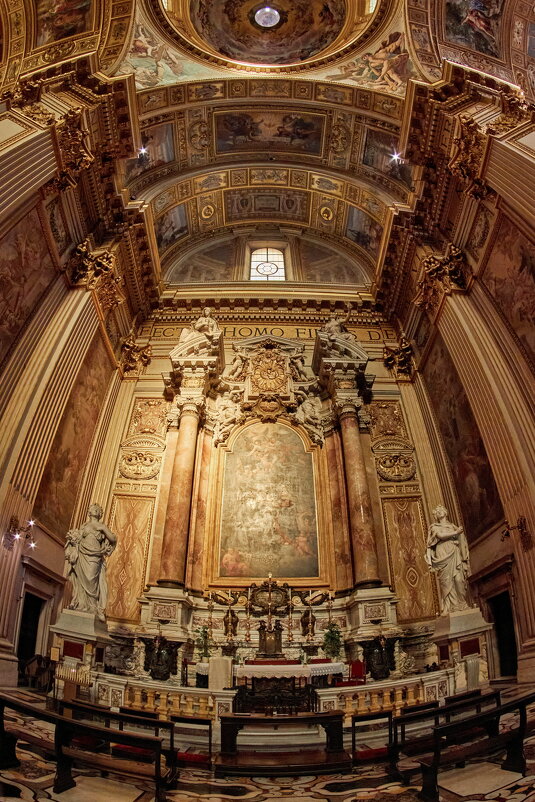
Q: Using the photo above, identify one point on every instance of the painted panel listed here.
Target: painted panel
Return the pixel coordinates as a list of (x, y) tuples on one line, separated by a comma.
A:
[(290, 204), (329, 267), (387, 68), (300, 28), (268, 516), (159, 144), (363, 230), (58, 226), (510, 279), (472, 474), (379, 148), (170, 227), (131, 521), (276, 129), (475, 24), (63, 472), (58, 19), (26, 270)]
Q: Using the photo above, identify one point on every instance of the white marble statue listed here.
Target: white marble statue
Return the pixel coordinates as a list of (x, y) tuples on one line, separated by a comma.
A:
[(227, 413), (447, 555), (86, 550), (309, 415), (297, 367), (237, 367), (335, 328), (205, 325)]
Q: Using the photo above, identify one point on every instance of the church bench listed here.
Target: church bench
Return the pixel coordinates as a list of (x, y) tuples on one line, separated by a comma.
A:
[(408, 743), (462, 697), (195, 757), (131, 721), (67, 730), (455, 743), (363, 718)]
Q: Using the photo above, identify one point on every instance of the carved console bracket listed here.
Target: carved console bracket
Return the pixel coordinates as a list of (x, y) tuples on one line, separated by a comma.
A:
[(442, 275)]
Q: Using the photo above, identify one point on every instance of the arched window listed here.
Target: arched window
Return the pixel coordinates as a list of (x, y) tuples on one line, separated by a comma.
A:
[(267, 264)]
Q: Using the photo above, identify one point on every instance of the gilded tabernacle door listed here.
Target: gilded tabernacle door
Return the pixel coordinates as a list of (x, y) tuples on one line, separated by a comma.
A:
[(269, 514)]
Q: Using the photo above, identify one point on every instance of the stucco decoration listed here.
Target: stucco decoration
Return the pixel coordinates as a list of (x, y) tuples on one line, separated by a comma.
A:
[(291, 33), (268, 519)]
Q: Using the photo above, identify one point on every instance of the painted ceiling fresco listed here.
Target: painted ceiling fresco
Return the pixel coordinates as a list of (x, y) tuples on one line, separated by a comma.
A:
[(296, 30)]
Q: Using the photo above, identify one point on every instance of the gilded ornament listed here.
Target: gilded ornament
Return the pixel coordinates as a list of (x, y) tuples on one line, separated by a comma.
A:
[(139, 465), (269, 372), (395, 467)]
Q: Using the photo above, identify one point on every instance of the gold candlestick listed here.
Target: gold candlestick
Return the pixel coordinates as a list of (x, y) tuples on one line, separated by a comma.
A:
[(290, 624)]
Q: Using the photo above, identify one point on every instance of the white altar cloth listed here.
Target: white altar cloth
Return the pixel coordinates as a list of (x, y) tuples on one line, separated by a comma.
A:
[(274, 670), (278, 670)]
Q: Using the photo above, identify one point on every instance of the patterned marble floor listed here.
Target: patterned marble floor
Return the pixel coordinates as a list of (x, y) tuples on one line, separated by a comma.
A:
[(482, 782)]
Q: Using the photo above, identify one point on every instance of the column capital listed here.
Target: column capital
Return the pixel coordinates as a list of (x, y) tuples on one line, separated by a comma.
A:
[(347, 407), (184, 406)]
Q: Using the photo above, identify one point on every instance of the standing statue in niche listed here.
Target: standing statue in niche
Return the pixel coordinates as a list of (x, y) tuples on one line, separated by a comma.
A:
[(447, 555), (86, 550)]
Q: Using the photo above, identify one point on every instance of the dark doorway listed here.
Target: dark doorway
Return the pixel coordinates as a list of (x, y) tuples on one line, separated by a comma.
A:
[(502, 615), (29, 625)]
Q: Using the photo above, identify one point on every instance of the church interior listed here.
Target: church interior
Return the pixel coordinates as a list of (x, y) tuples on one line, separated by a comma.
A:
[(267, 382)]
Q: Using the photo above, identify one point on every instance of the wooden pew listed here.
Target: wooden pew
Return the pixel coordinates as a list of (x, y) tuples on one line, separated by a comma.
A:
[(65, 730), (131, 722), (456, 742), (186, 757), (462, 697), (409, 743), (66, 755), (363, 718)]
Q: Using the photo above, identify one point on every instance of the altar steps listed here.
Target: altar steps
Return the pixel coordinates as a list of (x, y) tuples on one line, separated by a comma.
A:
[(281, 764)]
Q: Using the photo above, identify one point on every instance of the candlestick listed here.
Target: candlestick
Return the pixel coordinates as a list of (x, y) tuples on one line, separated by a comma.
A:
[(290, 624)]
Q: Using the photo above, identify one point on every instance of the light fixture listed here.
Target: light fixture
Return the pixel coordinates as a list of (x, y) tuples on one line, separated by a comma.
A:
[(267, 17), (526, 539), (16, 532), (396, 157)]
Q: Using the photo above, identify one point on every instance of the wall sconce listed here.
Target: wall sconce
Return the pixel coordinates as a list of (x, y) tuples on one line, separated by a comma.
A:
[(16, 532), (526, 539)]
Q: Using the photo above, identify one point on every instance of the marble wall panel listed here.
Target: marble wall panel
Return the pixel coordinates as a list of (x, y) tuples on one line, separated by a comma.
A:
[(131, 520), (413, 582)]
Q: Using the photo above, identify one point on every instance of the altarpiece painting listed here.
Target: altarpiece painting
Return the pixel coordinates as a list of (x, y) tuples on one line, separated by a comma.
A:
[(268, 516)]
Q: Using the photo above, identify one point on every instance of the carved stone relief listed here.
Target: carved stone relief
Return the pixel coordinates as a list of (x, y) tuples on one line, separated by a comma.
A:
[(394, 460), (386, 420)]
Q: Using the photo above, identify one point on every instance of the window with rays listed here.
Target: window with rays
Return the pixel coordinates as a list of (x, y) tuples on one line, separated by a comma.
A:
[(267, 264)]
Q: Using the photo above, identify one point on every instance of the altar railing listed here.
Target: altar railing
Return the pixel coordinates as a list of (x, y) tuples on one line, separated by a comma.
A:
[(393, 694)]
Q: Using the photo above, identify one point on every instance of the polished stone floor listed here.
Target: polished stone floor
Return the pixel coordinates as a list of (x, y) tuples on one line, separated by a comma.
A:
[(479, 781)]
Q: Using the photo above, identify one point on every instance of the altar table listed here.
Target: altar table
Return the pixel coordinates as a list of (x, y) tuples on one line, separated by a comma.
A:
[(277, 670)]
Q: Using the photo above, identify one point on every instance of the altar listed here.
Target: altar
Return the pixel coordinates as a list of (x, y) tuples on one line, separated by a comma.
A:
[(297, 670)]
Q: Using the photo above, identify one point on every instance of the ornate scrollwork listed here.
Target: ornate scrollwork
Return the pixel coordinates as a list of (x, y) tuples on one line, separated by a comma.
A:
[(139, 465), (470, 144), (26, 96), (134, 357), (441, 274), (396, 467), (268, 371), (515, 110), (75, 156), (399, 359)]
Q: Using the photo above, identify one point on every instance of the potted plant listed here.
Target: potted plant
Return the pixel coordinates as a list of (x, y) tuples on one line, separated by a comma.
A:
[(202, 642), (332, 640)]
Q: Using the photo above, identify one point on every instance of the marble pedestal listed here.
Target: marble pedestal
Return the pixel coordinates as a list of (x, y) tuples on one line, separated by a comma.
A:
[(81, 639), (461, 638), (167, 611)]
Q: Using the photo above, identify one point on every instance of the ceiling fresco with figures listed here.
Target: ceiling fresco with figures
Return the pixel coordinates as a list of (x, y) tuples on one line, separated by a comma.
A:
[(279, 117)]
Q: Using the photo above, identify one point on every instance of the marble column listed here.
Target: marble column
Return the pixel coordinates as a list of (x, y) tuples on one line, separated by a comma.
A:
[(358, 496), (177, 517)]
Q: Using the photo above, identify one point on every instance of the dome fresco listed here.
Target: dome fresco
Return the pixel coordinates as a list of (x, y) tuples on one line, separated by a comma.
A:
[(279, 32)]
